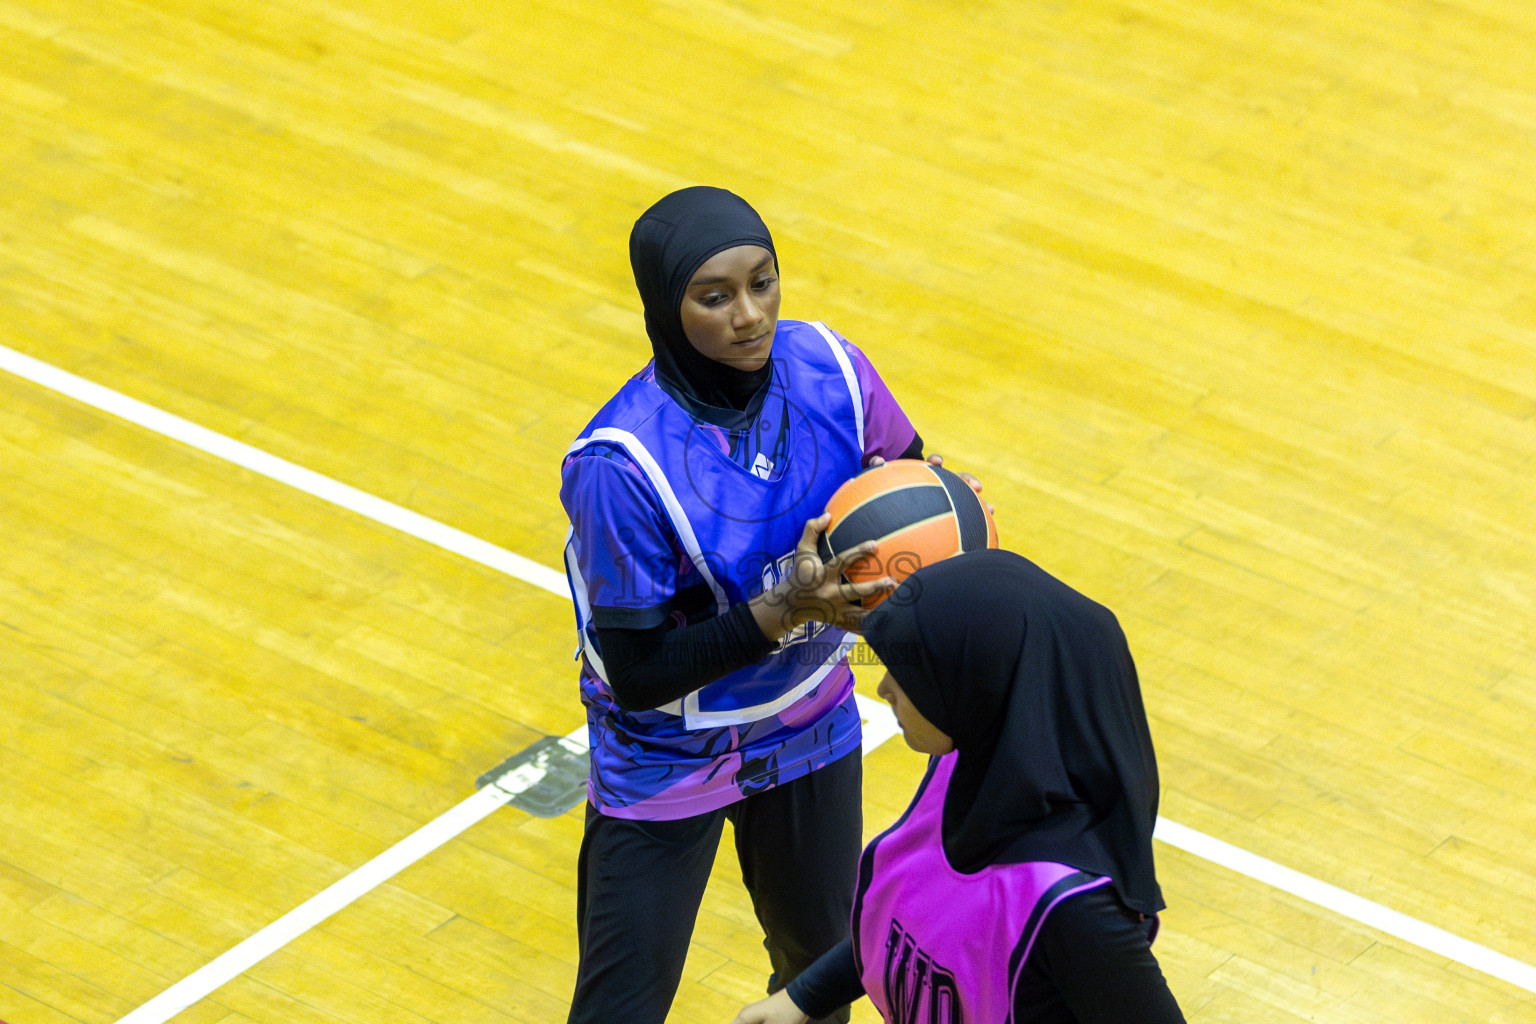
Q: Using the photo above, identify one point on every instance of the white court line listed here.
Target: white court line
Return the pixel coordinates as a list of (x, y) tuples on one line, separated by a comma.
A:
[(878, 721), (283, 471), (240, 958), (1347, 904), (1329, 897)]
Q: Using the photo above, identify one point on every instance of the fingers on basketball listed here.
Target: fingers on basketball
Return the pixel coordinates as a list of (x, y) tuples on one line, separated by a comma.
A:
[(916, 513)]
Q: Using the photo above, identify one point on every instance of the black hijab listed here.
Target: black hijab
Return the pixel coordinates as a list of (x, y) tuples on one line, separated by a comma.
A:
[(669, 243), (1035, 684)]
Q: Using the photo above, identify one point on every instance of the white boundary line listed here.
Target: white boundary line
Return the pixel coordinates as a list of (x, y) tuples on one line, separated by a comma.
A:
[(879, 721), (283, 471), (1347, 904), (238, 959), (475, 808)]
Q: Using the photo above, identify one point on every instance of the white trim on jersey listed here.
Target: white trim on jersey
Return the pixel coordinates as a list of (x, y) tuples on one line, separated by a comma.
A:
[(688, 707), (694, 718), (849, 375), (648, 465), (578, 587)]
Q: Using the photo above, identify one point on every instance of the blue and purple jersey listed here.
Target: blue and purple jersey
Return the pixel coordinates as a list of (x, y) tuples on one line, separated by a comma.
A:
[(933, 945), (676, 519)]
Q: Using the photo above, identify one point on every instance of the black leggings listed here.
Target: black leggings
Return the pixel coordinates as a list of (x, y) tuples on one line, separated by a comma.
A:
[(639, 884), (1092, 964)]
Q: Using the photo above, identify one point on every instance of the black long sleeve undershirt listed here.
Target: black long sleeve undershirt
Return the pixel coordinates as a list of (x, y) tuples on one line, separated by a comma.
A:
[(830, 982), (651, 667)]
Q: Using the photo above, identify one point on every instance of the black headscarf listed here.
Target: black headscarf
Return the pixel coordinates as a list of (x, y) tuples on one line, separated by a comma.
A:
[(1035, 684), (669, 243)]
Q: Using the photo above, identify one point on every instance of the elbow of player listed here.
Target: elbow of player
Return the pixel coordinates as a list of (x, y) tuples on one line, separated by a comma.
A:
[(628, 695)]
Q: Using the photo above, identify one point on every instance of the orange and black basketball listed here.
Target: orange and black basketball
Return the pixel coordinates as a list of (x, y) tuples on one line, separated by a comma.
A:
[(917, 512)]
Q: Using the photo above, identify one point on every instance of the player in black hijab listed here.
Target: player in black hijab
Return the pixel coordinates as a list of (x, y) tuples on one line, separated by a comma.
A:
[(1031, 685), (698, 594), (667, 245), (1035, 685)]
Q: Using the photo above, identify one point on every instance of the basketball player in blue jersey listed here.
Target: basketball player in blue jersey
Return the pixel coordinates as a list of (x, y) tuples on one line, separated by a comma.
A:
[(713, 639)]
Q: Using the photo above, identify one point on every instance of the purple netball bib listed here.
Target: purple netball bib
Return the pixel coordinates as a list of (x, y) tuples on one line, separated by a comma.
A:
[(718, 513), (935, 946)]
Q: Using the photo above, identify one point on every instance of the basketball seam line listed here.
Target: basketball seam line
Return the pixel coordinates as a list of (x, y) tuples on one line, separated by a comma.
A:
[(925, 522), (886, 493)]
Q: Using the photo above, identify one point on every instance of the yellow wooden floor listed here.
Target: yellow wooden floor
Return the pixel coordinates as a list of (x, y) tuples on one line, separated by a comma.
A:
[(1232, 307)]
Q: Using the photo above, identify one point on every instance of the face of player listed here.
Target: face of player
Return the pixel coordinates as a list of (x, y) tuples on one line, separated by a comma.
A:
[(731, 307), (921, 735)]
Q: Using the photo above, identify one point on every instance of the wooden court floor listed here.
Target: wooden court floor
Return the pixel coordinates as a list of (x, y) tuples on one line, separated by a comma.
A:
[(1231, 306)]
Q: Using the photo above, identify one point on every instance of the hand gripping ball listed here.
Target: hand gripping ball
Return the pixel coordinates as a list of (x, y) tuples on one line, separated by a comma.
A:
[(917, 513)]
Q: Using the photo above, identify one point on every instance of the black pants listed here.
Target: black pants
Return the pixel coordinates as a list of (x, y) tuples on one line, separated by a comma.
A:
[(639, 884), (1092, 964)]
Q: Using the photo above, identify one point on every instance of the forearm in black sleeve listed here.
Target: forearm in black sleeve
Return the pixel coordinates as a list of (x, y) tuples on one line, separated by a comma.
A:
[(829, 983), (915, 449), (651, 667)]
